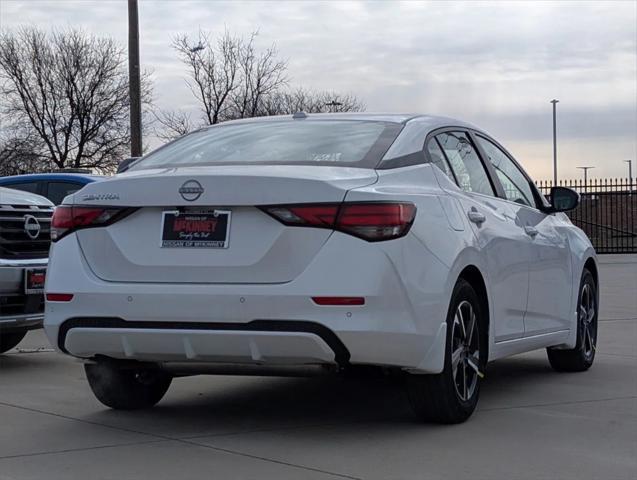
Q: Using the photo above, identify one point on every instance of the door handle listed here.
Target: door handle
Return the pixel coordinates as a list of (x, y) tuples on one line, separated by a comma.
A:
[(530, 231), (476, 217)]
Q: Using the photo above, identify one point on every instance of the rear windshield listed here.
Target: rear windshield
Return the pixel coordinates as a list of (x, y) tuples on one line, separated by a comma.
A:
[(351, 143)]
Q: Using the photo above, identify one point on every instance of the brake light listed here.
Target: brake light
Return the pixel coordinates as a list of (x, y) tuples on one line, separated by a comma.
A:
[(370, 221), (68, 218)]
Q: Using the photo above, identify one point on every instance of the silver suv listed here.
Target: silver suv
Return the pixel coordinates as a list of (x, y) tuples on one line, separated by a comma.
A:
[(25, 235)]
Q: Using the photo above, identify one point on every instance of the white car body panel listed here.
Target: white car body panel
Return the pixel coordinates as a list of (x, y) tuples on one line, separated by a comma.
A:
[(271, 271)]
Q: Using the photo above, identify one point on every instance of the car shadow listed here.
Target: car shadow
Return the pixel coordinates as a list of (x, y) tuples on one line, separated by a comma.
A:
[(221, 405)]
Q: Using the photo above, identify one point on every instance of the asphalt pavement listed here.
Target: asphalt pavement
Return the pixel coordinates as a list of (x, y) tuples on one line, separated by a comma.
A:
[(531, 422)]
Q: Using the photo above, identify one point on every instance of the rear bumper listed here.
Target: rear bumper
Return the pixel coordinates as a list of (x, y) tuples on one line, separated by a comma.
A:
[(19, 311), (21, 322), (260, 341), (398, 326)]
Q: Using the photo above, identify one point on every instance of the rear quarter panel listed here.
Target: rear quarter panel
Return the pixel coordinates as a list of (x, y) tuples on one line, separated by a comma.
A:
[(445, 243)]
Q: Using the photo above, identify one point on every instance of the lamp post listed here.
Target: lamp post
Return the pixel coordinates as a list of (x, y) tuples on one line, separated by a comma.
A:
[(134, 83), (554, 102), (333, 104), (586, 169), (630, 173)]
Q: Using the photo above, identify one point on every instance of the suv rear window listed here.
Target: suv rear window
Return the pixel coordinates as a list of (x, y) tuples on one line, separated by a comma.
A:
[(351, 143)]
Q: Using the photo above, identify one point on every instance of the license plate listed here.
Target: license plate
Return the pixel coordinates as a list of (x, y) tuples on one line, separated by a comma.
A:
[(34, 280), (195, 229)]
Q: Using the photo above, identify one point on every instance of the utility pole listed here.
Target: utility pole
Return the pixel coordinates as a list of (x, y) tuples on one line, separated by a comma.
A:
[(630, 173), (586, 169), (134, 82), (554, 102)]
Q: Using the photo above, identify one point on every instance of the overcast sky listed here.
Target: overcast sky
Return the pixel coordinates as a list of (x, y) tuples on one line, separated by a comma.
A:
[(496, 64)]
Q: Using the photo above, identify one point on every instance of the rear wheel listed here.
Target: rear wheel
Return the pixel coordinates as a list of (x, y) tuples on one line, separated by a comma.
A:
[(581, 357), (124, 387), (452, 396), (8, 340)]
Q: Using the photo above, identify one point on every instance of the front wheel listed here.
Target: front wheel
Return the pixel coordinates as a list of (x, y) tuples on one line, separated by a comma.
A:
[(8, 340), (124, 387), (452, 396), (581, 357)]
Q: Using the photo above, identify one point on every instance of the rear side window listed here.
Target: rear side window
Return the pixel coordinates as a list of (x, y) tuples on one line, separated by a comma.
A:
[(465, 162), (515, 184), (58, 190), (293, 142), (31, 187), (438, 158)]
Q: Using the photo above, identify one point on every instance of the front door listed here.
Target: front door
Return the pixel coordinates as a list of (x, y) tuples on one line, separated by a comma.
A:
[(550, 274)]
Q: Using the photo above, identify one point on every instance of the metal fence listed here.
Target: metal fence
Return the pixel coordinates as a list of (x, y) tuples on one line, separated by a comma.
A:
[(607, 212)]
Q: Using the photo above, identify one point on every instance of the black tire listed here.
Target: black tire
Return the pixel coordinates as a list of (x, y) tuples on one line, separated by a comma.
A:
[(125, 387), (581, 357), (8, 340), (438, 398)]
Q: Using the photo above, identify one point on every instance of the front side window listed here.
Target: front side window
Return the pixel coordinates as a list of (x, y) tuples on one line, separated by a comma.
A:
[(295, 142), (515, 184), (465, 162)]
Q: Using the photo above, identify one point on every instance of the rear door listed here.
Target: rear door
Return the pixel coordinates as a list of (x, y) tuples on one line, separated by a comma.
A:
[(502, 242), (33, 186), (550, 284)]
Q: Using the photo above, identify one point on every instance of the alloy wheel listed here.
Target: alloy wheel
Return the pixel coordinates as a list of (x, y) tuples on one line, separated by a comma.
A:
[(465, 357), (586, 312)]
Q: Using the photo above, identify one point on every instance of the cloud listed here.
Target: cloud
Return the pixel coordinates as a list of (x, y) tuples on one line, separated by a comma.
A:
[(493, 63)]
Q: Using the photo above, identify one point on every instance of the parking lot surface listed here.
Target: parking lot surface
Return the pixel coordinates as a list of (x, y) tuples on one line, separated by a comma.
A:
[(531, 422)]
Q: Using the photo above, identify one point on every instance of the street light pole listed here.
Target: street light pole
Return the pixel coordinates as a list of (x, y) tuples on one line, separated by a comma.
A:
[(333, 104), (134, 82), (630, 173), (554, 102), (586, 169)]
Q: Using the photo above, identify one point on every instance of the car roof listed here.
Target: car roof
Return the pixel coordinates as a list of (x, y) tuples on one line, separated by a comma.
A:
[(431, 121), (62, 176)]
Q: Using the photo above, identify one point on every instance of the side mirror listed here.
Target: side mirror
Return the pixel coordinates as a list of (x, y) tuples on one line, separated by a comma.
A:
[(126, 163), (563, 199)]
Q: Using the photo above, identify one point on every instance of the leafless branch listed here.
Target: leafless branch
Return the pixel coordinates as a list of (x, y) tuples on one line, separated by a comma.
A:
[(70, 91)]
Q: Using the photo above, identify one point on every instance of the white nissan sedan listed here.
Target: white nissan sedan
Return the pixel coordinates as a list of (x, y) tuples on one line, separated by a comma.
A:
[(319, 243)]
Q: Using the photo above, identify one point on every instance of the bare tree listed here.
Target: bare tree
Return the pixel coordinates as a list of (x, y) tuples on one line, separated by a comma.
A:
[(231, 79), (262, 75), (69, 91), (310, 101), (17, 152), (213, 69), (172, 123)]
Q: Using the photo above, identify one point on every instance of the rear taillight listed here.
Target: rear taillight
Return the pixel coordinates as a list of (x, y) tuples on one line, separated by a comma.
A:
[(68, 218), (371, 221)]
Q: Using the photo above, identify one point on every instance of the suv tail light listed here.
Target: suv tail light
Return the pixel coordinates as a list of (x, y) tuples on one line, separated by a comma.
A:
[(370, 221), (68, 218)]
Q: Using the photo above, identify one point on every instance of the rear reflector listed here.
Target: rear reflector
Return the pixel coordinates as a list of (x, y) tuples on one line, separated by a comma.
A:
[(371, 221), (339, 300), (59, 297)]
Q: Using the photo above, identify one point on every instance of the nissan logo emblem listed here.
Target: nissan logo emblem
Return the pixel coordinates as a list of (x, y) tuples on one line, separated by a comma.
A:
[(191, 190), (32, 226)]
